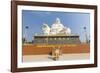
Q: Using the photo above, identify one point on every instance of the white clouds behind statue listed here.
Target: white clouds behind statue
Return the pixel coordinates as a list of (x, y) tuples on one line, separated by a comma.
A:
[(56, 28)]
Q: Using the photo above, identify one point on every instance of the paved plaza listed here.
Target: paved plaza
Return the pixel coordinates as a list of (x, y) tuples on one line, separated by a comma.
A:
[(35, 58)]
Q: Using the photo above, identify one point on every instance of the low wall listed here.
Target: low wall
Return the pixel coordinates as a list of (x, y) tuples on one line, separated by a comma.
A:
[(36, 50)]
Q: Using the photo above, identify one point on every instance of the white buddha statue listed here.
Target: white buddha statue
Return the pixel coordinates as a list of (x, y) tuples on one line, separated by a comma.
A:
[(56, 27)]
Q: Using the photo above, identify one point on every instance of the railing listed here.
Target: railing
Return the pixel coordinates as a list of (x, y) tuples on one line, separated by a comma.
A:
[(56, 35)]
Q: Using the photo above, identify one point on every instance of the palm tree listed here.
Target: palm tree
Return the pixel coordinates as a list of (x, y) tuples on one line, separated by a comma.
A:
[(23, 40)]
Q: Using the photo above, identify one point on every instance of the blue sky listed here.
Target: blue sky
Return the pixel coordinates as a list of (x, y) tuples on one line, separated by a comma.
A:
[(34, 20)]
